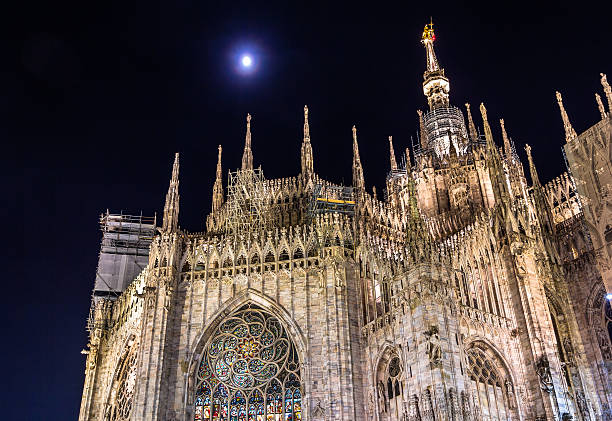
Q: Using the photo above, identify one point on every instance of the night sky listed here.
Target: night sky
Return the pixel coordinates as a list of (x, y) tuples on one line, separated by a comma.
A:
[(96, 97)]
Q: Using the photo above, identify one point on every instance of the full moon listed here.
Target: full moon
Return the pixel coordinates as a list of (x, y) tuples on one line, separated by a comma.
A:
[(247, 61)]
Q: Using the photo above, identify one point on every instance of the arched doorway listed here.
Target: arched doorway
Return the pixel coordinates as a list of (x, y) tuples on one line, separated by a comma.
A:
[(249, 371)]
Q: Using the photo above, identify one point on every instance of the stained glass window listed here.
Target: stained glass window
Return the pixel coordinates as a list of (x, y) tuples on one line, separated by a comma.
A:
[(249, 371)]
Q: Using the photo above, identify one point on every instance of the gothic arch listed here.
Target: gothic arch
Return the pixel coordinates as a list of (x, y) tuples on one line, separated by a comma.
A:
[(120, 394), (599, 316), (491, 381), (236, 305), (389, 376)]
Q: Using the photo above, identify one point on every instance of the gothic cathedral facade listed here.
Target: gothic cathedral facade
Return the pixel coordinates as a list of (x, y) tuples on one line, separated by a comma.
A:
[(466, 293)]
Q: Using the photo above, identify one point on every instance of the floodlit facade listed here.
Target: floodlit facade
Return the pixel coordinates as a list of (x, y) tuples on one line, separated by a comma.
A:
[(466, 293)]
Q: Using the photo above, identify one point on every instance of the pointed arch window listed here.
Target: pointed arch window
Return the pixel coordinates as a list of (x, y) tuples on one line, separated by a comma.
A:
[(249, 371), (491, 385), (390, 385), (124, 384)]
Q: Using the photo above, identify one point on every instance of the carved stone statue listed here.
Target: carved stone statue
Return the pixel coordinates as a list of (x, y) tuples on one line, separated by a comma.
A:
[(382, 402), (543, 370), (510, 394), (604, 344), (434, 350), (318, 410), (569, 350), (582, 405)]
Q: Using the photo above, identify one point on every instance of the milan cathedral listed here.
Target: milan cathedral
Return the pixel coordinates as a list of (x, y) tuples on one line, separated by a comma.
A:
[(470, 291)]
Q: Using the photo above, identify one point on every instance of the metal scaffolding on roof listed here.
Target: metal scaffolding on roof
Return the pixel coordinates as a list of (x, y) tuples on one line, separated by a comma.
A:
[(331, 198), (246, 201), (124, 253)]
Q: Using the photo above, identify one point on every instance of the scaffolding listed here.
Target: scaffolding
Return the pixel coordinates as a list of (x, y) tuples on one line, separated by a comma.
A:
[(246, 201), (444, 125), (124, 251), (331, 198)]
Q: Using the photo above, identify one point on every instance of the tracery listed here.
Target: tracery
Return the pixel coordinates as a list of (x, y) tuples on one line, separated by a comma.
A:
[(249, 371), (122, 392), (493, 390)]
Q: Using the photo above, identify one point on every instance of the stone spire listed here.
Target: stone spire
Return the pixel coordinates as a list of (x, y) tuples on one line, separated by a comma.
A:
[(535, 180), (600, 105), (435, 86), (247, 156), (472, 127), (171, 208), (607, 90), (358, 182), (307, 161), (422, 132), (507, 147), (487, 128), (408, 164), (218, 186), (570, 133), (392, 155)]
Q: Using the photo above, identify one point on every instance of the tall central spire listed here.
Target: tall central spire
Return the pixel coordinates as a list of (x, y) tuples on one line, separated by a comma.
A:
[(247, 156), (435, 86)]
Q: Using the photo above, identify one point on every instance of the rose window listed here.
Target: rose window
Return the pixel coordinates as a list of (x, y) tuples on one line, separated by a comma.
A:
[(249, 371)]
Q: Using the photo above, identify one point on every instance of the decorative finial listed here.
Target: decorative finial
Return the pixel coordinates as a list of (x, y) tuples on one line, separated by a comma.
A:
[(171, 207), (607, 90), (570, 133), (307, 160), (472, 127), (487, 129), (532, 169), (422, 132), (358, 181), (600, 105), (507, 147), (392, 155), (408, 164), (306, 126), (483, 111), (374, 194), (217, 201)]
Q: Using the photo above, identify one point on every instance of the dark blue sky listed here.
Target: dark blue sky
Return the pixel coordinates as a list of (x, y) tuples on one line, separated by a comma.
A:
[(96, 98)]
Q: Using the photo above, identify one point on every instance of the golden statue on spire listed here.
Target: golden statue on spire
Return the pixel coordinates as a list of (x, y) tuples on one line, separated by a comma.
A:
[(428, 32)]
